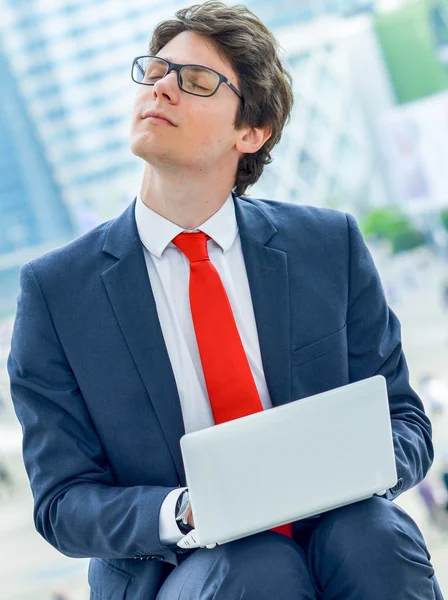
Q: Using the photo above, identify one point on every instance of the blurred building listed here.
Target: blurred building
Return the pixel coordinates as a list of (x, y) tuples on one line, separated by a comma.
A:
[(414, 43), (31, 208), (71, 61), (331, 153), (285, 12), (32, 211), (369, 125)]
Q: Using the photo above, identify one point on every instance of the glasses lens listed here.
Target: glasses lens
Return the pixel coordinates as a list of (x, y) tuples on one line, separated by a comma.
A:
[(148, 70), (199, 80)]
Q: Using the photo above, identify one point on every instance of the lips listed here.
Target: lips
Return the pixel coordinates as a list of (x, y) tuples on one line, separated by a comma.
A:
[(158, 115)]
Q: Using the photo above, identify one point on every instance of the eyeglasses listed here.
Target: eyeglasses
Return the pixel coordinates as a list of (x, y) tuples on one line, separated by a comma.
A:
[(192, 79)]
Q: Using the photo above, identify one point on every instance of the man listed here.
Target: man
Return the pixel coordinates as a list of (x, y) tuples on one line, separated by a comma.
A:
[(111, 363)]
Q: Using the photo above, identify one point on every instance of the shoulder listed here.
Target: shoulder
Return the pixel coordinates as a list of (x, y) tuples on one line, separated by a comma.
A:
[(83, 253), (289, 216)]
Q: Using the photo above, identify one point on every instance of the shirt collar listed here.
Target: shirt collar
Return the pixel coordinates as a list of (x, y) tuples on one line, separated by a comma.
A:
[(156, 232)]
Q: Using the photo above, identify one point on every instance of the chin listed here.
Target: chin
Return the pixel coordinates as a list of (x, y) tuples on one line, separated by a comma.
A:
[(145, 148), (159, 156)]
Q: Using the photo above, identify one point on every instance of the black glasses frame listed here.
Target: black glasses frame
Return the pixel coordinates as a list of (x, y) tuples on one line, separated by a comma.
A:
[(178, 68)]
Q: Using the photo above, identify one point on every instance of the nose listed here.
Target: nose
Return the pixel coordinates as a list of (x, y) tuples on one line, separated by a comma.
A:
[(167, 87)]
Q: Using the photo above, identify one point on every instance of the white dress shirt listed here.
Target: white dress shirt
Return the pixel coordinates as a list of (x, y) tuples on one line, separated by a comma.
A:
[(169, 273)]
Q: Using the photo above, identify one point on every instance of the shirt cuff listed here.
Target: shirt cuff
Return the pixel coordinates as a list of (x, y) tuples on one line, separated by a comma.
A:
[(169, 532)]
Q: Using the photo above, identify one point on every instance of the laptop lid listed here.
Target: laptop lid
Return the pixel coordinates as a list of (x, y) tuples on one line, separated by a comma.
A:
[(290, 462)]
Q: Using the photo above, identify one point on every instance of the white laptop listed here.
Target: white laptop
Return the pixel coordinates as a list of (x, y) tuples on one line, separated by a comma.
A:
[(290, 462)]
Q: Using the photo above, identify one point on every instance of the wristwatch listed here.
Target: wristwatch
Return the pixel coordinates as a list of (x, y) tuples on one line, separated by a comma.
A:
[(182, 505)]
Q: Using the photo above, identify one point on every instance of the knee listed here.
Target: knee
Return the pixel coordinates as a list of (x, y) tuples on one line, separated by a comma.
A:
[(259, 567), (264, 555), (372, 527), (266, 565), (371, 549)]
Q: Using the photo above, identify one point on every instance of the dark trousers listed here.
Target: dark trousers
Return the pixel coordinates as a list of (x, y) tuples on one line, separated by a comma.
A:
[(370, 550)]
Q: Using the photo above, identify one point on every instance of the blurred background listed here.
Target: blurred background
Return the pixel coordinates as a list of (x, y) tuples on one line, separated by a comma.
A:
[(368, 135)]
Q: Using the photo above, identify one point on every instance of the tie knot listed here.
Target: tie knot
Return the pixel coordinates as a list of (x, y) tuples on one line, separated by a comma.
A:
[(193, 245)]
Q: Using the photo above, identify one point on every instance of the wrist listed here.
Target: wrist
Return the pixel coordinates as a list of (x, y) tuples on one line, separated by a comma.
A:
[(183, 511)]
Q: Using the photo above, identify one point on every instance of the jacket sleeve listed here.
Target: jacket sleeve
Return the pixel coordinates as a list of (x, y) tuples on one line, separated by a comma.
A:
[(78, 508), (374, 347)]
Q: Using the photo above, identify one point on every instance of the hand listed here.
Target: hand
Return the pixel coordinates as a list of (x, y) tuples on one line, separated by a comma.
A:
[(189, 516), (186, 542)]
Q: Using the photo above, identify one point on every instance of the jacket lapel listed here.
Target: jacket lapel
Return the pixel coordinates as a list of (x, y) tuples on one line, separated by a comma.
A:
[(129, 290), (267, 271), (131, 296)]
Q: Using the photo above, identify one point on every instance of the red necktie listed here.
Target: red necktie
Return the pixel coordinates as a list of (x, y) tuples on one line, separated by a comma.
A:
[(230, 384)]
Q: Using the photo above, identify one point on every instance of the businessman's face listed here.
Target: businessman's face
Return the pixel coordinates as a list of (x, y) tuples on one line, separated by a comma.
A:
[(200, 132)]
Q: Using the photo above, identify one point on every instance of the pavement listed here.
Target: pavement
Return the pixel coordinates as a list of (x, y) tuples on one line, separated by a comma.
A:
[(30, 569)]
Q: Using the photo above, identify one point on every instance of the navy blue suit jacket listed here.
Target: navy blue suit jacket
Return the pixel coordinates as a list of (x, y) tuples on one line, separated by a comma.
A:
[(94, 390)]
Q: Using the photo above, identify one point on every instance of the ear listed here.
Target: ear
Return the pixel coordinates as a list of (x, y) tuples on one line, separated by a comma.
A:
[(252, 139)]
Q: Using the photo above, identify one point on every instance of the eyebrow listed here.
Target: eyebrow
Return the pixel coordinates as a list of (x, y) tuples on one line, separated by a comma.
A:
[(207, 67), (187, 63), (173, 61)]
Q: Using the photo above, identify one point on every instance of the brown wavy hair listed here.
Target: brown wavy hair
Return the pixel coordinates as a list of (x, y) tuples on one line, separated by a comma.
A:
[(252, 50)]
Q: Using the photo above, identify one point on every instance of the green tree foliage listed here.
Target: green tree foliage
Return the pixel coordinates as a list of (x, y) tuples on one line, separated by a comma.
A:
[(392, 224), (444, 217)]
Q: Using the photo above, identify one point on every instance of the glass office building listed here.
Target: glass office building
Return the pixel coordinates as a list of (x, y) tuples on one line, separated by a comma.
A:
[(33, 213), (71, 63), (331, 153), (283, 13)]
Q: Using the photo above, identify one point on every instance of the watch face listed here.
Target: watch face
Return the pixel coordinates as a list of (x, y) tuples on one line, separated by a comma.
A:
[(182, 505)]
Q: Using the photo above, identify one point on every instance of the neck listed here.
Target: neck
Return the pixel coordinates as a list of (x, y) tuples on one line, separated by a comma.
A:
[(183, 199)]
